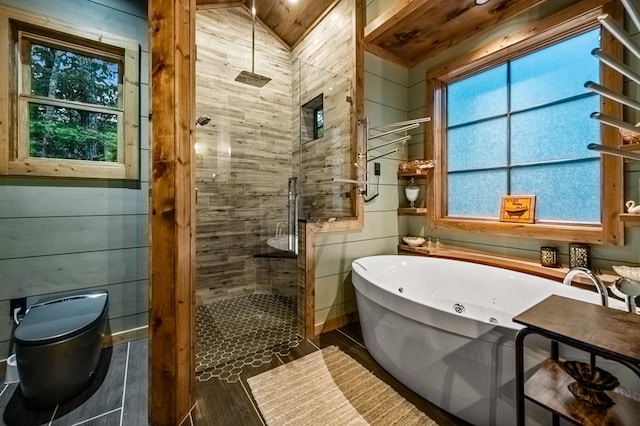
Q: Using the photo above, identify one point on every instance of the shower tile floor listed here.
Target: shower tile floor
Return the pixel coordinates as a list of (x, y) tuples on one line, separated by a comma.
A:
[(247, 330)]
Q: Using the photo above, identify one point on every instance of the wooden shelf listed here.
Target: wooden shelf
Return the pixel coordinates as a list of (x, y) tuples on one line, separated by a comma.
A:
[(548, 387), (412, 211), (630, 220), (416, 175)]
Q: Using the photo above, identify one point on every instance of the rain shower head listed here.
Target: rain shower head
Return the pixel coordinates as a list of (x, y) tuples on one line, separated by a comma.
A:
[(203, 120), (251, 78)]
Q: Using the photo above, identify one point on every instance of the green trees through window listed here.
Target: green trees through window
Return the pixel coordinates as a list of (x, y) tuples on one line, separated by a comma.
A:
[(73, 104)]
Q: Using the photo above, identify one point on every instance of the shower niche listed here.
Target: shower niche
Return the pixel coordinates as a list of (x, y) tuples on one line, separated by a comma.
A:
[(312, 120)]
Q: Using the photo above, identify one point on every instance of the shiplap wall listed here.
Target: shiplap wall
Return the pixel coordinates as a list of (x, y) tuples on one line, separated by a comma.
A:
[(58, 236)]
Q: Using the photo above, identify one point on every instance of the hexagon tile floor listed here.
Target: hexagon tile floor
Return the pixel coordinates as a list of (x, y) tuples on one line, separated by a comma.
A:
[(244, 330)]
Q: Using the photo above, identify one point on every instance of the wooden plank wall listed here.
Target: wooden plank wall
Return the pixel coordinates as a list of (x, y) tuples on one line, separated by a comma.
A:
[(324, 303), (324, 64), (247, 145), (58, 236)]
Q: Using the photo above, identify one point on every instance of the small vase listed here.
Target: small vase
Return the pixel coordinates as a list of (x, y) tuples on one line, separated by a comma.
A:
[(412, 191)]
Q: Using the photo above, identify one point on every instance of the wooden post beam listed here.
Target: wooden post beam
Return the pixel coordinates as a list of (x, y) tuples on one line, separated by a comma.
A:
[(171, 343)]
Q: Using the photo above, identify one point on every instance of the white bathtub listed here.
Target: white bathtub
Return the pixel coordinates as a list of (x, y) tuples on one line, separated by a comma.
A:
[(443, 328)]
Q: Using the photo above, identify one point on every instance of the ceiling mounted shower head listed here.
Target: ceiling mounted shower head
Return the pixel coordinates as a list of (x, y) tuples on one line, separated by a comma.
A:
[(251, 78), (203, 120)]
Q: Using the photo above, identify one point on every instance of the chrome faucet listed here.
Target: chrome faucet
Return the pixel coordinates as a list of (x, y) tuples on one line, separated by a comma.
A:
[(602, 289)]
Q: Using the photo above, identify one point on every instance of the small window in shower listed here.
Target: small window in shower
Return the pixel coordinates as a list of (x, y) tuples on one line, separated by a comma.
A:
[(312, 116)]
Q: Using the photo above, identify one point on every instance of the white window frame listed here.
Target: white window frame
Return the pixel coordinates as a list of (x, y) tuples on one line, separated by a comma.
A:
[(17, 29)]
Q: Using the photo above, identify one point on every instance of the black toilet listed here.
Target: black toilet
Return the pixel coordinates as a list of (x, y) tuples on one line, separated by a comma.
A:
[(58, 345)]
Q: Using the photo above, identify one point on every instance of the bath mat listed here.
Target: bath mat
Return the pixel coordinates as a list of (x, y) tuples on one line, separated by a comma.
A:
[(328, 387)]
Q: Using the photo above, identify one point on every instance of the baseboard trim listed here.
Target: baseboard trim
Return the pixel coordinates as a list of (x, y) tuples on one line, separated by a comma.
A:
[(335, 323), (125, 336)]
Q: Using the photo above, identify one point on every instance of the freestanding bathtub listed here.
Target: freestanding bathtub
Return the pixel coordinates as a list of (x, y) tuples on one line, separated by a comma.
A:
[(443, 328)]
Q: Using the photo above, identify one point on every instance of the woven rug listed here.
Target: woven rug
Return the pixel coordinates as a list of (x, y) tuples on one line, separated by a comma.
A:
[(328, 387)]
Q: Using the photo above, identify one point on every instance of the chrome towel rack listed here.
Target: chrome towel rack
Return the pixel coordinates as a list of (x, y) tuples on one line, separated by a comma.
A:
[(623, 37)]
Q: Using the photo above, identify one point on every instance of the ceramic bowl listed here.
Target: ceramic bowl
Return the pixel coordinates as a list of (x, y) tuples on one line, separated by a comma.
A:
[(413, 241), (630, 272), (590, 376)]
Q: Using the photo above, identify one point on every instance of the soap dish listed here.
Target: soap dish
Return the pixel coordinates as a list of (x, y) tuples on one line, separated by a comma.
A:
[(413, 241)]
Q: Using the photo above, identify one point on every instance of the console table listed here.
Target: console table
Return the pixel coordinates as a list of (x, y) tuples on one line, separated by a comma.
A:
[(601, 331)]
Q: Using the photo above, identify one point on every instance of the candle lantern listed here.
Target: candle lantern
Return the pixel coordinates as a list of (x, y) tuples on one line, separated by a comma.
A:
[(549, 257), (579, 255)]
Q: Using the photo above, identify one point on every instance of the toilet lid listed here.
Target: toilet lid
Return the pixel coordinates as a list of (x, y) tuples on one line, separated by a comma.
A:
[(60, 318)]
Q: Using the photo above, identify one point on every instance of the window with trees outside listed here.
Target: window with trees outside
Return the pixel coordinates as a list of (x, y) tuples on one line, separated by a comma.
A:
[(520, 125), (76, 103)]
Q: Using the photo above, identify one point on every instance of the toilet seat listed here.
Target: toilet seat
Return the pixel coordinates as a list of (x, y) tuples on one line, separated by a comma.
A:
[(59, 318)]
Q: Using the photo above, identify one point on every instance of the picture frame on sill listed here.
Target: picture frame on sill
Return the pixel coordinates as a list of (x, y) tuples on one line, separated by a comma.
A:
[(518, 208)]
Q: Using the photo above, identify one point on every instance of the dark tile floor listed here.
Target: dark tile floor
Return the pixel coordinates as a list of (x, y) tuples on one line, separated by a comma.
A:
[(247, 330), (220, 403), (116, 397)]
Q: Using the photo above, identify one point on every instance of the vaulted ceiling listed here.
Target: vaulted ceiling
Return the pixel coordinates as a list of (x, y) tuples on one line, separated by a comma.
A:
[(408, 32), (288, 20)]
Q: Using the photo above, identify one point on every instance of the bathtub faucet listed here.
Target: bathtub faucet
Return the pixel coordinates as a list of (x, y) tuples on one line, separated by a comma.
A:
[(602, 289)]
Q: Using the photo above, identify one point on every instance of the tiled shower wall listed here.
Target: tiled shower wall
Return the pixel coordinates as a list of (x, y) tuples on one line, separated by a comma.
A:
[(323, 63), (247, 152), (247, 146)]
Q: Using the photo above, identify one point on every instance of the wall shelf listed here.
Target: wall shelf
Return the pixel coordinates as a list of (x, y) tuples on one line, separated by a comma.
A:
[(630, 220), (412, 211), (417, 175), (421, 174)]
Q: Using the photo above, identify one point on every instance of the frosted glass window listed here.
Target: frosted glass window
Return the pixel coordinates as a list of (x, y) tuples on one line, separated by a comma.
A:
[(478, 145), (558, 131), (476, 194), (554, 73), (481, 96), (522, 128), (562, 190)]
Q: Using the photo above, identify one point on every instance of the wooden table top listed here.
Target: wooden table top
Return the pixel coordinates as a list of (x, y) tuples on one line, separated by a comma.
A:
[(603, 329)]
